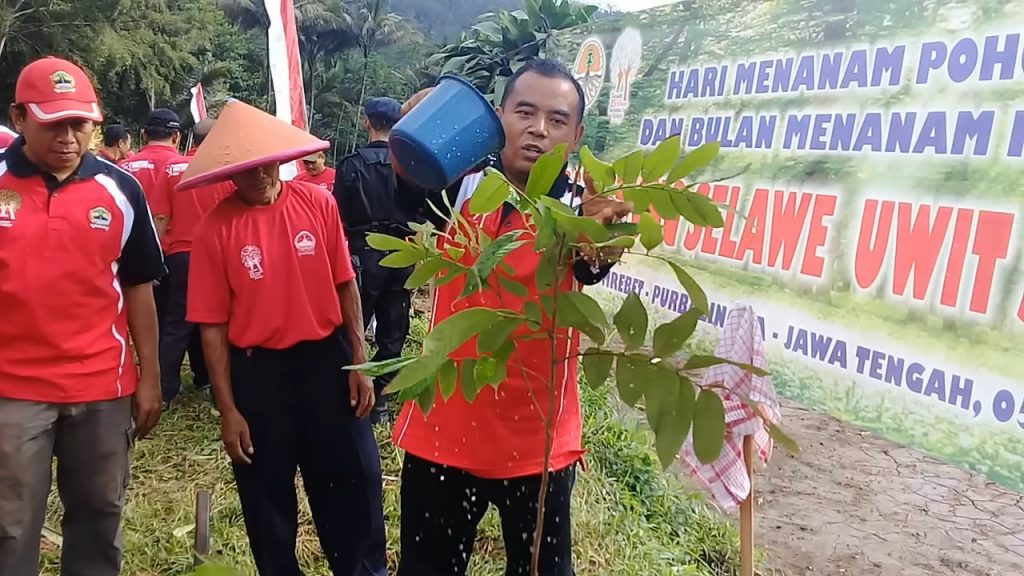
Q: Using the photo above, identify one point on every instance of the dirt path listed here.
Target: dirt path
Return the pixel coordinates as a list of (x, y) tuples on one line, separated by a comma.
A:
[(853, 504)]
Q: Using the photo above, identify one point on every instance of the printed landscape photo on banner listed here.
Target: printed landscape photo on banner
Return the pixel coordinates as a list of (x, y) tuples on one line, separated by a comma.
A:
[(872, 180)]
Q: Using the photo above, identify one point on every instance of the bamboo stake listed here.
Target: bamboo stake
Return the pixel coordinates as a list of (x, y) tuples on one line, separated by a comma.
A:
[(747, 512)]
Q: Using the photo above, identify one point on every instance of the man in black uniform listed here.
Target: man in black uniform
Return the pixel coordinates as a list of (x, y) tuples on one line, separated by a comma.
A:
[(372, 199)]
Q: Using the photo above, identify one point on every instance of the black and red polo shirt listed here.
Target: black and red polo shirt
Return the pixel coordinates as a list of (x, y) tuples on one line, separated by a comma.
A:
[(67, 250)]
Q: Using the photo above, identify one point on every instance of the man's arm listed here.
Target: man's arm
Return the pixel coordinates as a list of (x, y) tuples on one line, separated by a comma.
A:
[(218, 364), (352, 312), (234, 429), (142, 324)]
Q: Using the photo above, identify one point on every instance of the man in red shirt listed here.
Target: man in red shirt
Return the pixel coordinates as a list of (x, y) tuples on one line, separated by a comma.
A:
[(272, 287), (78, 253), (117, 142), (184, 209), (316, 172), (161, 136), (463, 457)]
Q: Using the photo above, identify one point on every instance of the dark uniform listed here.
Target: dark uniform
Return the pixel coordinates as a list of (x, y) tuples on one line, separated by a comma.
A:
[(372, 199)]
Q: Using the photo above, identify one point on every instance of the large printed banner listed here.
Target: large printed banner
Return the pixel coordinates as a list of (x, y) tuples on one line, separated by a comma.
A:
[(872, 153)]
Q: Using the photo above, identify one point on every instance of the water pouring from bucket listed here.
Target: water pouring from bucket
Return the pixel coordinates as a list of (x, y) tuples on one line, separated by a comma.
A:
[(447, 134)]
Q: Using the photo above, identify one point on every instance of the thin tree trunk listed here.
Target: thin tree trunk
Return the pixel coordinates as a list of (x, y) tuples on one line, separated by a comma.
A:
[(312, 97), (359, 104)]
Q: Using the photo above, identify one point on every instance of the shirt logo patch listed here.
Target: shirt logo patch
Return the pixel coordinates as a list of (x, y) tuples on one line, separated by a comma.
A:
[(63, 83), (10, 202), (252, 259), (305, 243), (99, 218)]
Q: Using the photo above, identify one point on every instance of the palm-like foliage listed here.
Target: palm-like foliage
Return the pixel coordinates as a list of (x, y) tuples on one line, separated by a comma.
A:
[(502, 41)]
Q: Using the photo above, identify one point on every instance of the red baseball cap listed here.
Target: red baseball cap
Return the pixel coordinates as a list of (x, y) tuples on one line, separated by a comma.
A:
[(52, 90)]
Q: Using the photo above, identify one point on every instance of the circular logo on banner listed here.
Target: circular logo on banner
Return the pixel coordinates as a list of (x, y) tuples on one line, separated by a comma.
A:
[(589, 69)]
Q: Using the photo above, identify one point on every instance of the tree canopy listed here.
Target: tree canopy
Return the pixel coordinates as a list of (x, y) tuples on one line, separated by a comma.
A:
[(146, 54)]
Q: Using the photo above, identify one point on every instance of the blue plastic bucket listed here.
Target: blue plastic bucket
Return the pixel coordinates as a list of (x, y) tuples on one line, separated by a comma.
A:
[(448, 133)]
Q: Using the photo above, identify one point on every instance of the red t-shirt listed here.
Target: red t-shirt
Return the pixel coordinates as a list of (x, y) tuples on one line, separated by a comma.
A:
[(7, 136), (185, 209), (501, 434), (271, 272), (147, 166), (324, 180), (67, 250)]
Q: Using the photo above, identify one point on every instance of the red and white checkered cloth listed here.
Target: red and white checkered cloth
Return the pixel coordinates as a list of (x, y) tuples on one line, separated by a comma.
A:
[(726, 478)]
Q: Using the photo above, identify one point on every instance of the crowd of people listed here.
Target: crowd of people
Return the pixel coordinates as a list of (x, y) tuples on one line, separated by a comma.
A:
[(267, 286)]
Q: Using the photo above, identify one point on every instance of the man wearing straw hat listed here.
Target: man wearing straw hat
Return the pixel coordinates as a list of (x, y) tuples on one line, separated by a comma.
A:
[(463, 457), (78, 255), (272, 287)]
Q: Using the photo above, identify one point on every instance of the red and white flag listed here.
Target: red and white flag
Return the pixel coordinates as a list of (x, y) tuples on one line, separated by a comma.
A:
[(198, 103), (286, 69)]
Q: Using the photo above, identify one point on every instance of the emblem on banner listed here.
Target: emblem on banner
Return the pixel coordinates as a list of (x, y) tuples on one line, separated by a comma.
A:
[(589, 69), (625, 64)]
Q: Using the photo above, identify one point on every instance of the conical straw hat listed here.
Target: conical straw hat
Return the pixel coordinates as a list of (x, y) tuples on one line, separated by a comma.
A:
[(242, 138)]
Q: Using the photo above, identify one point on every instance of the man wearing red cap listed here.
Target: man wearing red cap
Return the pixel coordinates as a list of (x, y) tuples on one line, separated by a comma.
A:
[(161, 136), (184, 210), (78, 254), (315, 171), (272, 287)]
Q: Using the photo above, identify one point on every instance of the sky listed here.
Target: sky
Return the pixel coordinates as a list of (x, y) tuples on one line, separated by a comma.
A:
[(631, 5)]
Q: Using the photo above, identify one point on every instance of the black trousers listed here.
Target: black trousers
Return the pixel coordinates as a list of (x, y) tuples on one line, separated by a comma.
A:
[(296, 402), (384, 296), (442, 506), (178, 336)]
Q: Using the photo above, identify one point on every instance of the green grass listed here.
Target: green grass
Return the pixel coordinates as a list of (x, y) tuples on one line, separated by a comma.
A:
[(629, 518)]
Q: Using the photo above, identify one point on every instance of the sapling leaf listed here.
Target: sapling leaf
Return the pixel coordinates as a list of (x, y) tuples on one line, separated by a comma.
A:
[(670, 337), (669, 400), (401, 259), (424, 272), (490, 194), (597, 365), (708, 426), (650, 232), (709, 213), (545, 171), (467, 380), (782, 438), (426, 398), (629, 166), (448, 379), (533, 315), (574, 226), (388, 243), (660, 160), (693, 161), (600, 172), (588, 306), (374, 369), (631, 378), (485, 370), (496, 335), (513, 286), (631, 322), (662, 200), (699, 361), (571, 316), (698, 299)]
